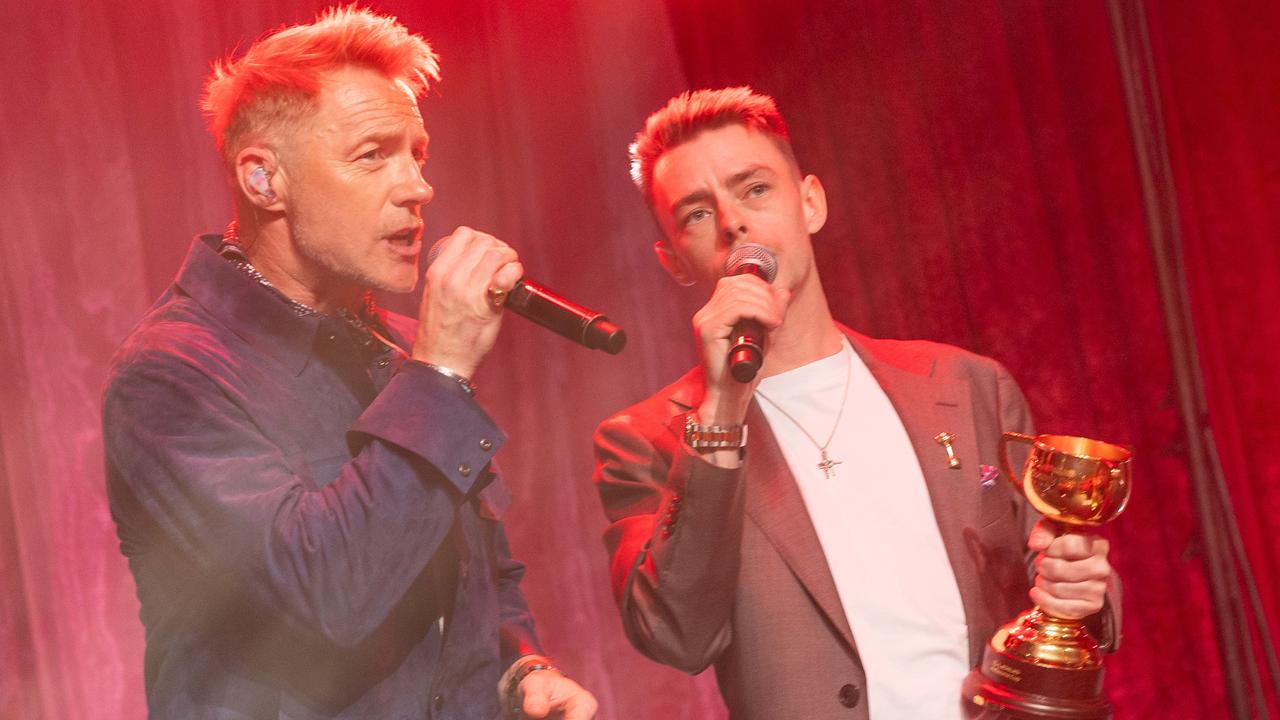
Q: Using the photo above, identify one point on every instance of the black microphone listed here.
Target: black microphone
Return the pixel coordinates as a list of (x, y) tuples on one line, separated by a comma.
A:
[(542, 305), (746, 344)]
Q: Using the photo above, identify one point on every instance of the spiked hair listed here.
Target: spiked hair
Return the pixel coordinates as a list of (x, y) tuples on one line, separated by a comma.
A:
[(687, 115), (275, 83)]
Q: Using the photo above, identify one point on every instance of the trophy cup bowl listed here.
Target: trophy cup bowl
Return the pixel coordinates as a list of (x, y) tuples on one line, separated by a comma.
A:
[(1038, 666)]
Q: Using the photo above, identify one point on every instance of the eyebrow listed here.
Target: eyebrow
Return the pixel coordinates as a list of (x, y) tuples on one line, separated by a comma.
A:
[(383, 136), (696, 196), (701, 195)]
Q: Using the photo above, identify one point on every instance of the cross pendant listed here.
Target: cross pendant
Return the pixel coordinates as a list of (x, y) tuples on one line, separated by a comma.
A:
[(827, 466)]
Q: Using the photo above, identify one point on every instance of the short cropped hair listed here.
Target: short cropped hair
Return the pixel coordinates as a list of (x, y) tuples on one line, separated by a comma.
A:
[(276, 82), (691, 113)]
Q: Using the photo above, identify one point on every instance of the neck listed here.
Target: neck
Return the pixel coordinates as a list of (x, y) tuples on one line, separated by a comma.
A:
[(272, 253), (809, 332)]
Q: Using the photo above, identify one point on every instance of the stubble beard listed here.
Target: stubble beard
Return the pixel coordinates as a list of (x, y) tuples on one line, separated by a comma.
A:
[(333, 271)]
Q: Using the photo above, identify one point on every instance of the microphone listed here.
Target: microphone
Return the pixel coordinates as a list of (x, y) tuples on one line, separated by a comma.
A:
[(746, 344), (545, 307)]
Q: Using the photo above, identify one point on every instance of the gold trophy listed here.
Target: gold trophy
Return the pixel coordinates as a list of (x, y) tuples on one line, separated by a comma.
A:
[(1039, 666)]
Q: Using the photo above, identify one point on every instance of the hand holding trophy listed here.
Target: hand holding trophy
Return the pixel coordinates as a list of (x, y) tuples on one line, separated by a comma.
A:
[(1038, 666)]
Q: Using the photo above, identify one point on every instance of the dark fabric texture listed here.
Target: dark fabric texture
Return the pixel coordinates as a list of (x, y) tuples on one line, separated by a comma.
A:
[(289, 566)]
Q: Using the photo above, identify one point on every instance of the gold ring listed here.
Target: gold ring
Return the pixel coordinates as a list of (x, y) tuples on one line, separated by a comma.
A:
[(497, 297)]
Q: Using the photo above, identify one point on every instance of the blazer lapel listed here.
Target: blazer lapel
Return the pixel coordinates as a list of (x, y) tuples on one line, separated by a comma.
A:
[(929, 405), (774, 504)]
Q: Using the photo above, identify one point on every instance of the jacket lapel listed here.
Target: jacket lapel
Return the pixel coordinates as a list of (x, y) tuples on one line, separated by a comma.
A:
[(928, 405), (774, 504)]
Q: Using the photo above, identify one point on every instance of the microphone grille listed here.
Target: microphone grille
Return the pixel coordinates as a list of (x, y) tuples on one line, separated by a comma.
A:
[(752, 254), (434, 252)]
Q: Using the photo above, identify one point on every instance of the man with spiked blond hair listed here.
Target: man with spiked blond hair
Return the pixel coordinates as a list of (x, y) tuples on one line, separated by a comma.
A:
[(849, 557), (302, 481)]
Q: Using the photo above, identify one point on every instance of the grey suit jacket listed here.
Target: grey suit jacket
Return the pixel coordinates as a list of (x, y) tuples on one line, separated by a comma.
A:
[(720, 566)]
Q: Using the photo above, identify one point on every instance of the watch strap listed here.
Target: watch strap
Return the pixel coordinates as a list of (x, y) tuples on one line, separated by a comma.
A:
[(711, 437)]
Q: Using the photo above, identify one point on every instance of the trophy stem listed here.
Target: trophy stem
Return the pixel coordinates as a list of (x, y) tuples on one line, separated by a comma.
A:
[(1042, 639)]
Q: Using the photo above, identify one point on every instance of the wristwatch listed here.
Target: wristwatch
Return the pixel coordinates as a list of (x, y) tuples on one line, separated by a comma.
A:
[(711, 437)]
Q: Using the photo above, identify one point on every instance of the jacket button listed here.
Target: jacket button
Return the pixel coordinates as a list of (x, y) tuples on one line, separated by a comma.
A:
[(464, 470), (437, 702), (849, 696), (486, 444)]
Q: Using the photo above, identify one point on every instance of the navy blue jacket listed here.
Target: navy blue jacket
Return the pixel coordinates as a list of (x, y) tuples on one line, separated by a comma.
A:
[(310, 517)]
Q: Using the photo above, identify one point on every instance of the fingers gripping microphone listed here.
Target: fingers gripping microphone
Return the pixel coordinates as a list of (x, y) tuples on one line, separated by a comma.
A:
[(746, 344), (571, 320)]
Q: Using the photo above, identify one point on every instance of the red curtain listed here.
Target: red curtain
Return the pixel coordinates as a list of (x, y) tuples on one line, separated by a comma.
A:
[(1219, 104), (980, 168)]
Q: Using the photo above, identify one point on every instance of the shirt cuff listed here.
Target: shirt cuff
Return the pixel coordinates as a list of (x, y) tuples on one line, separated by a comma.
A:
[(433, 417)]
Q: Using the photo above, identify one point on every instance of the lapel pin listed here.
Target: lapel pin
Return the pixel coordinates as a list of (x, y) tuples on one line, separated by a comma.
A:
[(988, 475), (944, 439)]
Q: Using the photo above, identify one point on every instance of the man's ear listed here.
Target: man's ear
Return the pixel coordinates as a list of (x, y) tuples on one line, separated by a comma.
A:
[(672, 263), (814, 198), (258, 178)]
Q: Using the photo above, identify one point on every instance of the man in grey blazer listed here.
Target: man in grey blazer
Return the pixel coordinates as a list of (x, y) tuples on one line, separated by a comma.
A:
[(842, 562)]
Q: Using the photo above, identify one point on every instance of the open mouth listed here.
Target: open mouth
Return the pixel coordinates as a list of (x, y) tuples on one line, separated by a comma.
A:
[(406, 240)]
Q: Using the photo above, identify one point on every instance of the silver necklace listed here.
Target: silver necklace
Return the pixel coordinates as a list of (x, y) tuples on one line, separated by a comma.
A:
[(232, 250), (826, 464)]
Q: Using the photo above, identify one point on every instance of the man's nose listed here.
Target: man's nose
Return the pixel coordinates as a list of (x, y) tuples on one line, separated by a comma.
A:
[(732, 222), (414, 190)]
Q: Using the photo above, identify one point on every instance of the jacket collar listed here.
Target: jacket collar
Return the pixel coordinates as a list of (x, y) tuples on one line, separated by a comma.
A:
[(253, 312)]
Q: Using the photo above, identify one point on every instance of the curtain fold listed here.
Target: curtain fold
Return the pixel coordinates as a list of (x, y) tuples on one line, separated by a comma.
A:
[(1219, 106)]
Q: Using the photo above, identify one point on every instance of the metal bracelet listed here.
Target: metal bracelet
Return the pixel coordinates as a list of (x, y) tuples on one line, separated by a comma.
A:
[(457, 377), (530, 664), (712, 437)]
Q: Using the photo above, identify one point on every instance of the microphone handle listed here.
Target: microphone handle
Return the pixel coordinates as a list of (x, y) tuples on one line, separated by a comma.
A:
[(569, 319), (746, 350), (746, 344)]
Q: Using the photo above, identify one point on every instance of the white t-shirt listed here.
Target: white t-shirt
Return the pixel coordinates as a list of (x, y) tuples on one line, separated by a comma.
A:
[(876, 525)]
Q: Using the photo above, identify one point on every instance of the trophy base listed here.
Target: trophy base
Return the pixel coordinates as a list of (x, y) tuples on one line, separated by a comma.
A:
[(1005, 686)]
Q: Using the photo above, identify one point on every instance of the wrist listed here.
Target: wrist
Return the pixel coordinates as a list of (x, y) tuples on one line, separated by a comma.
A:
[(458, 362), (720, 445), (453, 374), (706, 437), (719, 409), (509, 685)]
